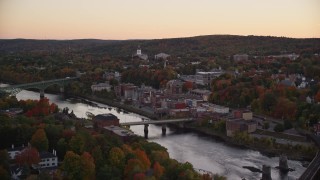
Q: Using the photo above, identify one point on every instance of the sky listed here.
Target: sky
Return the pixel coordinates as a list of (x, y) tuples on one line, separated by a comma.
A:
[(157, 19)]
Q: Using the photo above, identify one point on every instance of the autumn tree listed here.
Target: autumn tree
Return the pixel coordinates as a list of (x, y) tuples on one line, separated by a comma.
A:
[(87, 166), (28, 156), (158, 170), (142, 156), (77, 144), (139, 176), (72, 165), (39, 140), (116, 157), (133, 167)]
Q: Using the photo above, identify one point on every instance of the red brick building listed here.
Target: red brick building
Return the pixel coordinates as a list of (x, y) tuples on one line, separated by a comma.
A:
[(102, 120)]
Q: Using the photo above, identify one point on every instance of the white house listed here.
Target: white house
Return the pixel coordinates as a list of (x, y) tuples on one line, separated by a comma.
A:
[(13, 151), (48, 160), (161, 56), (100, 87)]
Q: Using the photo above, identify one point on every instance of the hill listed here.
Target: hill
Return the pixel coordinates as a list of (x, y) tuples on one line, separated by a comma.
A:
[(199, 46)]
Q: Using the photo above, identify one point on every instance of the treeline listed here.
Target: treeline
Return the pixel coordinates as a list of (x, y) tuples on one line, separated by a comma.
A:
[(200, 46), (84, 154)]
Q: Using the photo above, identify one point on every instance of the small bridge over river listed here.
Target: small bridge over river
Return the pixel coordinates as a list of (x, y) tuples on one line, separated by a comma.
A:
[(42, 85), (163, 122)]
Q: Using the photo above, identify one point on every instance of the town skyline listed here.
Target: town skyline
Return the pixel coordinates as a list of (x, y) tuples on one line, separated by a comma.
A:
[(123, 20)]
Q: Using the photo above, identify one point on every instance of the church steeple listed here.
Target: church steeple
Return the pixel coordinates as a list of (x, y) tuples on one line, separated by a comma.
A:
[(139, 51)]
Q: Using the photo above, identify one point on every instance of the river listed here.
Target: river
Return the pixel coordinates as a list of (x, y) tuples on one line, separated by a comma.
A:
[(202, 151)]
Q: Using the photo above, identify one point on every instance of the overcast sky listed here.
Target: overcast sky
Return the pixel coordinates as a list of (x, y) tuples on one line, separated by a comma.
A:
[(153, 19)]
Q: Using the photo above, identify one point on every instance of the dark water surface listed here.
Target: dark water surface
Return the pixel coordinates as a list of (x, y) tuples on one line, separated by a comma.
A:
[(203, 152)]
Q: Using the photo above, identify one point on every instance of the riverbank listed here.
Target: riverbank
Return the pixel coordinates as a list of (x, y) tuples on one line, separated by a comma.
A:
[(203, 152), (271, 152), (120, 105)]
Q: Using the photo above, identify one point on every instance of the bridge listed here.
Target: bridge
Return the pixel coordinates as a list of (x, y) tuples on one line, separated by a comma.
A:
[(313, 170), (42, 85), (163, 122)]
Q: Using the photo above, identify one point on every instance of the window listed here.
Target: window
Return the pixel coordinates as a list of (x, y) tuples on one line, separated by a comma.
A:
[(53, 159), (53, 164)]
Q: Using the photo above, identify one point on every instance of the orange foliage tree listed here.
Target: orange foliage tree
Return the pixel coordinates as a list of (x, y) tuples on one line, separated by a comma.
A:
[(42, 108), (142, 156), (158, 170), (39, 140)]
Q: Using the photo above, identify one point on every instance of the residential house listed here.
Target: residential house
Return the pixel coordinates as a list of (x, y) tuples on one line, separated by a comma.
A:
[(13, 151), (48, 160)]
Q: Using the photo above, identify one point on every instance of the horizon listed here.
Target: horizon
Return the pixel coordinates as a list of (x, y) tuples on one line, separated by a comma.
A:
[(157, 38), (143, 19)]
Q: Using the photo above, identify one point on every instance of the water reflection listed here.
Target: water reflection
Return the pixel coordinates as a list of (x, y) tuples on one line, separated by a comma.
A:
[(203, 152)]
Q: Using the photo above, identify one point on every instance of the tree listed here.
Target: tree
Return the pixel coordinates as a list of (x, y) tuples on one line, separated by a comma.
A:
[(72, 165), (39, 140), (278, 128), (142, 156), (28, 156), (61, 148), (317, 97), (158, 170), (4, 174), (77, 144), (139, 176), (97, 156), (87, 166), (4, 159), (117, 158), (133, 166)]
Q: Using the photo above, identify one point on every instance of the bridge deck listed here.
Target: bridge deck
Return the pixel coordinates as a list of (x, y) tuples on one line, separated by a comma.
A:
[(314, 167), (40, 83), (156, 122)]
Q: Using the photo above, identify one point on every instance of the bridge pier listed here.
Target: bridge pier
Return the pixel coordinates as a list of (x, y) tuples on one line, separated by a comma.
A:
[(41, 93), (266, 173), (62, 89), (146, 131), (164, 129)]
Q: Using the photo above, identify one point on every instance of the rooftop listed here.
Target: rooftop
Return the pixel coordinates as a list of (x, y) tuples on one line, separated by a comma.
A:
[(46, 154), (119, 131), (107, 116)]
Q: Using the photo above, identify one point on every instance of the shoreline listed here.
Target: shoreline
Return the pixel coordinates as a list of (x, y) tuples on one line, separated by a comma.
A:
[(202, 131)]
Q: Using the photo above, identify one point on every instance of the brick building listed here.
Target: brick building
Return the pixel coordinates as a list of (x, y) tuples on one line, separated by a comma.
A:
[(102, 120)]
